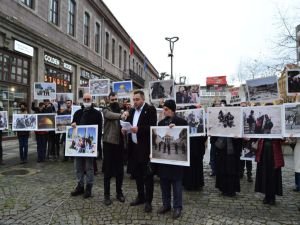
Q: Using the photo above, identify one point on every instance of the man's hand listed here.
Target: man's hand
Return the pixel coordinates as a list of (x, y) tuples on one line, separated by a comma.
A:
[(73, 125), (134, 130)]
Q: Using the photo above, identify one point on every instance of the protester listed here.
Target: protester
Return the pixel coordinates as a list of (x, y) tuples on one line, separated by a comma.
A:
[(41, 136), (269, 160), (113, 147), (141, 117), (227, 164), (23, 137), (171, 175), (66, 111), (87, 115)]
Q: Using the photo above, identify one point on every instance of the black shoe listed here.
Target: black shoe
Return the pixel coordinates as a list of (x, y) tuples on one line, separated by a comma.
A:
[(163, 210), (121, 197), (88, 191), (266, 201), (148, 207), (79, 190), (137, 201), (107, 201), (176, 214)]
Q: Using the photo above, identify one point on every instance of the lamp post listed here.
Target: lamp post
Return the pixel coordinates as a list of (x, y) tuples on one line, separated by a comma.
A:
[(171, 40)]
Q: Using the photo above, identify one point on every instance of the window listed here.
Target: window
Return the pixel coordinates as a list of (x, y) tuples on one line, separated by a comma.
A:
[(97, 38), (53, 17), (86, 29), (61, 78), (133, 65), (120, 56), (113, 44), (71, 17), (125, 60), (137, 67), (107, 45), (28, 3), (14, 68)]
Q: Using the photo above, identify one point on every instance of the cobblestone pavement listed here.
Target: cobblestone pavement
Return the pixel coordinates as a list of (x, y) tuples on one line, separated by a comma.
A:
[(43, 197)]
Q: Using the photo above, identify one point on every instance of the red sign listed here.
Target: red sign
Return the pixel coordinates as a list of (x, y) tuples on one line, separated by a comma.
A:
[(219, 80)]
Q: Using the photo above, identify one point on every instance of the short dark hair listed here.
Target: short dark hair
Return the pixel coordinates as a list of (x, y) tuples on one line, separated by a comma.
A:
[(24, 104), (69, 100), (139, 92), (41, 104)]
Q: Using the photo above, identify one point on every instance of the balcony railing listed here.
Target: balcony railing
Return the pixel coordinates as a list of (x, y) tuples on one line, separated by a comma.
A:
[(136, 79)]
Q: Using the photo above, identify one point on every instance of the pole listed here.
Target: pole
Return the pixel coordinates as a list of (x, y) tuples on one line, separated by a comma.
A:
[(172, 40)]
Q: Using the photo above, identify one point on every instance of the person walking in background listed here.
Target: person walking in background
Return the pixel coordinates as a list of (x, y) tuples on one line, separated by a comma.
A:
[(171, 175), (113, 147), (23, 137), (141, 117), (87, 115)]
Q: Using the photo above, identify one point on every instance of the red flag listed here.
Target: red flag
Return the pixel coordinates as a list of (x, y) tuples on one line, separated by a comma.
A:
[(131, 47)]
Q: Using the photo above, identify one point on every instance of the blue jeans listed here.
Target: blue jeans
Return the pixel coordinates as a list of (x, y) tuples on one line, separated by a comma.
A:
[(297, 181), (23, 147), (165, 185), (84, 164)]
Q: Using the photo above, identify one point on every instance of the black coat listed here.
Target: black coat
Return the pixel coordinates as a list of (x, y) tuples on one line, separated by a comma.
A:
[(171, 171), (89, 116), (148, 117)]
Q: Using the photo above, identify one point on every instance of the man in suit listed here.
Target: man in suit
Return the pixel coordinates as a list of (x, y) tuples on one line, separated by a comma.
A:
[(141, 117)]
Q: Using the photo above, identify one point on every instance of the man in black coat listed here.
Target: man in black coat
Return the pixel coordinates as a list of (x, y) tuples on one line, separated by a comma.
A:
[(141, 117), (87, 115), (171, 175)]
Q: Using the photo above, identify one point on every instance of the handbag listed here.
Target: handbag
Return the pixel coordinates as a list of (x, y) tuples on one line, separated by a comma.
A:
[(220, 142)]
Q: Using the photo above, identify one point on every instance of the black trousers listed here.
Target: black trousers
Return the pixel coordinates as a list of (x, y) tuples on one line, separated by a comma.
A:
[(248, 165), (143, 179)]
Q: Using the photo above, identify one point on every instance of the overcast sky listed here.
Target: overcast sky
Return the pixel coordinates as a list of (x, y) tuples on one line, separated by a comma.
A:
[(214, 35)]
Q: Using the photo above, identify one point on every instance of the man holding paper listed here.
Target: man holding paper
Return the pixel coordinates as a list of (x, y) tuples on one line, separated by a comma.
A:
[(141, 117)]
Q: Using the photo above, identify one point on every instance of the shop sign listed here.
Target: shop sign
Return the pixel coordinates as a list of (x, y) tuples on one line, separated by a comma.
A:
[(67, 66), (23, 48), (51, 60)]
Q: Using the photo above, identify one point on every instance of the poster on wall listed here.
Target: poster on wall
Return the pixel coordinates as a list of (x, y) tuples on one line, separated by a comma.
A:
[(224, 121), (170, 145), (81, 141), (44, 90)]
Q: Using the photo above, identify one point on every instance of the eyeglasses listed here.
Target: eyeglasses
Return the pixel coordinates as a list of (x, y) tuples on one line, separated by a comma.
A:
[(86, 99)]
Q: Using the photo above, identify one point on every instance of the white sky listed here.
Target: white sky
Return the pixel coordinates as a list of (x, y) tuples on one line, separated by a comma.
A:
[(214, 35)]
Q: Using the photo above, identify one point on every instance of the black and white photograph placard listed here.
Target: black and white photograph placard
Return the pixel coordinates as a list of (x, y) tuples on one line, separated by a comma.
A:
[(291, 119)]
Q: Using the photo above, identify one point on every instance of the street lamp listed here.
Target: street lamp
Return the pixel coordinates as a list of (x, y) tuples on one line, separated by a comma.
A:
[(172, 40)]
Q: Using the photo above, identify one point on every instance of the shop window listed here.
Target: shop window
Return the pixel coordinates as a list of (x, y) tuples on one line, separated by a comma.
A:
[(61, 78)]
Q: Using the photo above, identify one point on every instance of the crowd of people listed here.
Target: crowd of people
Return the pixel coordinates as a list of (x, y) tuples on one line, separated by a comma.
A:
[(121, 147)]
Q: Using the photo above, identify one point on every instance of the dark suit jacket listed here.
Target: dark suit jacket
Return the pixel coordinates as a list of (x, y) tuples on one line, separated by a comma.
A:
[(148, 117)]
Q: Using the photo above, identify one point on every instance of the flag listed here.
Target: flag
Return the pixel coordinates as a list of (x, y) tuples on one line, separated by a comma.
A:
[(131, 47)]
